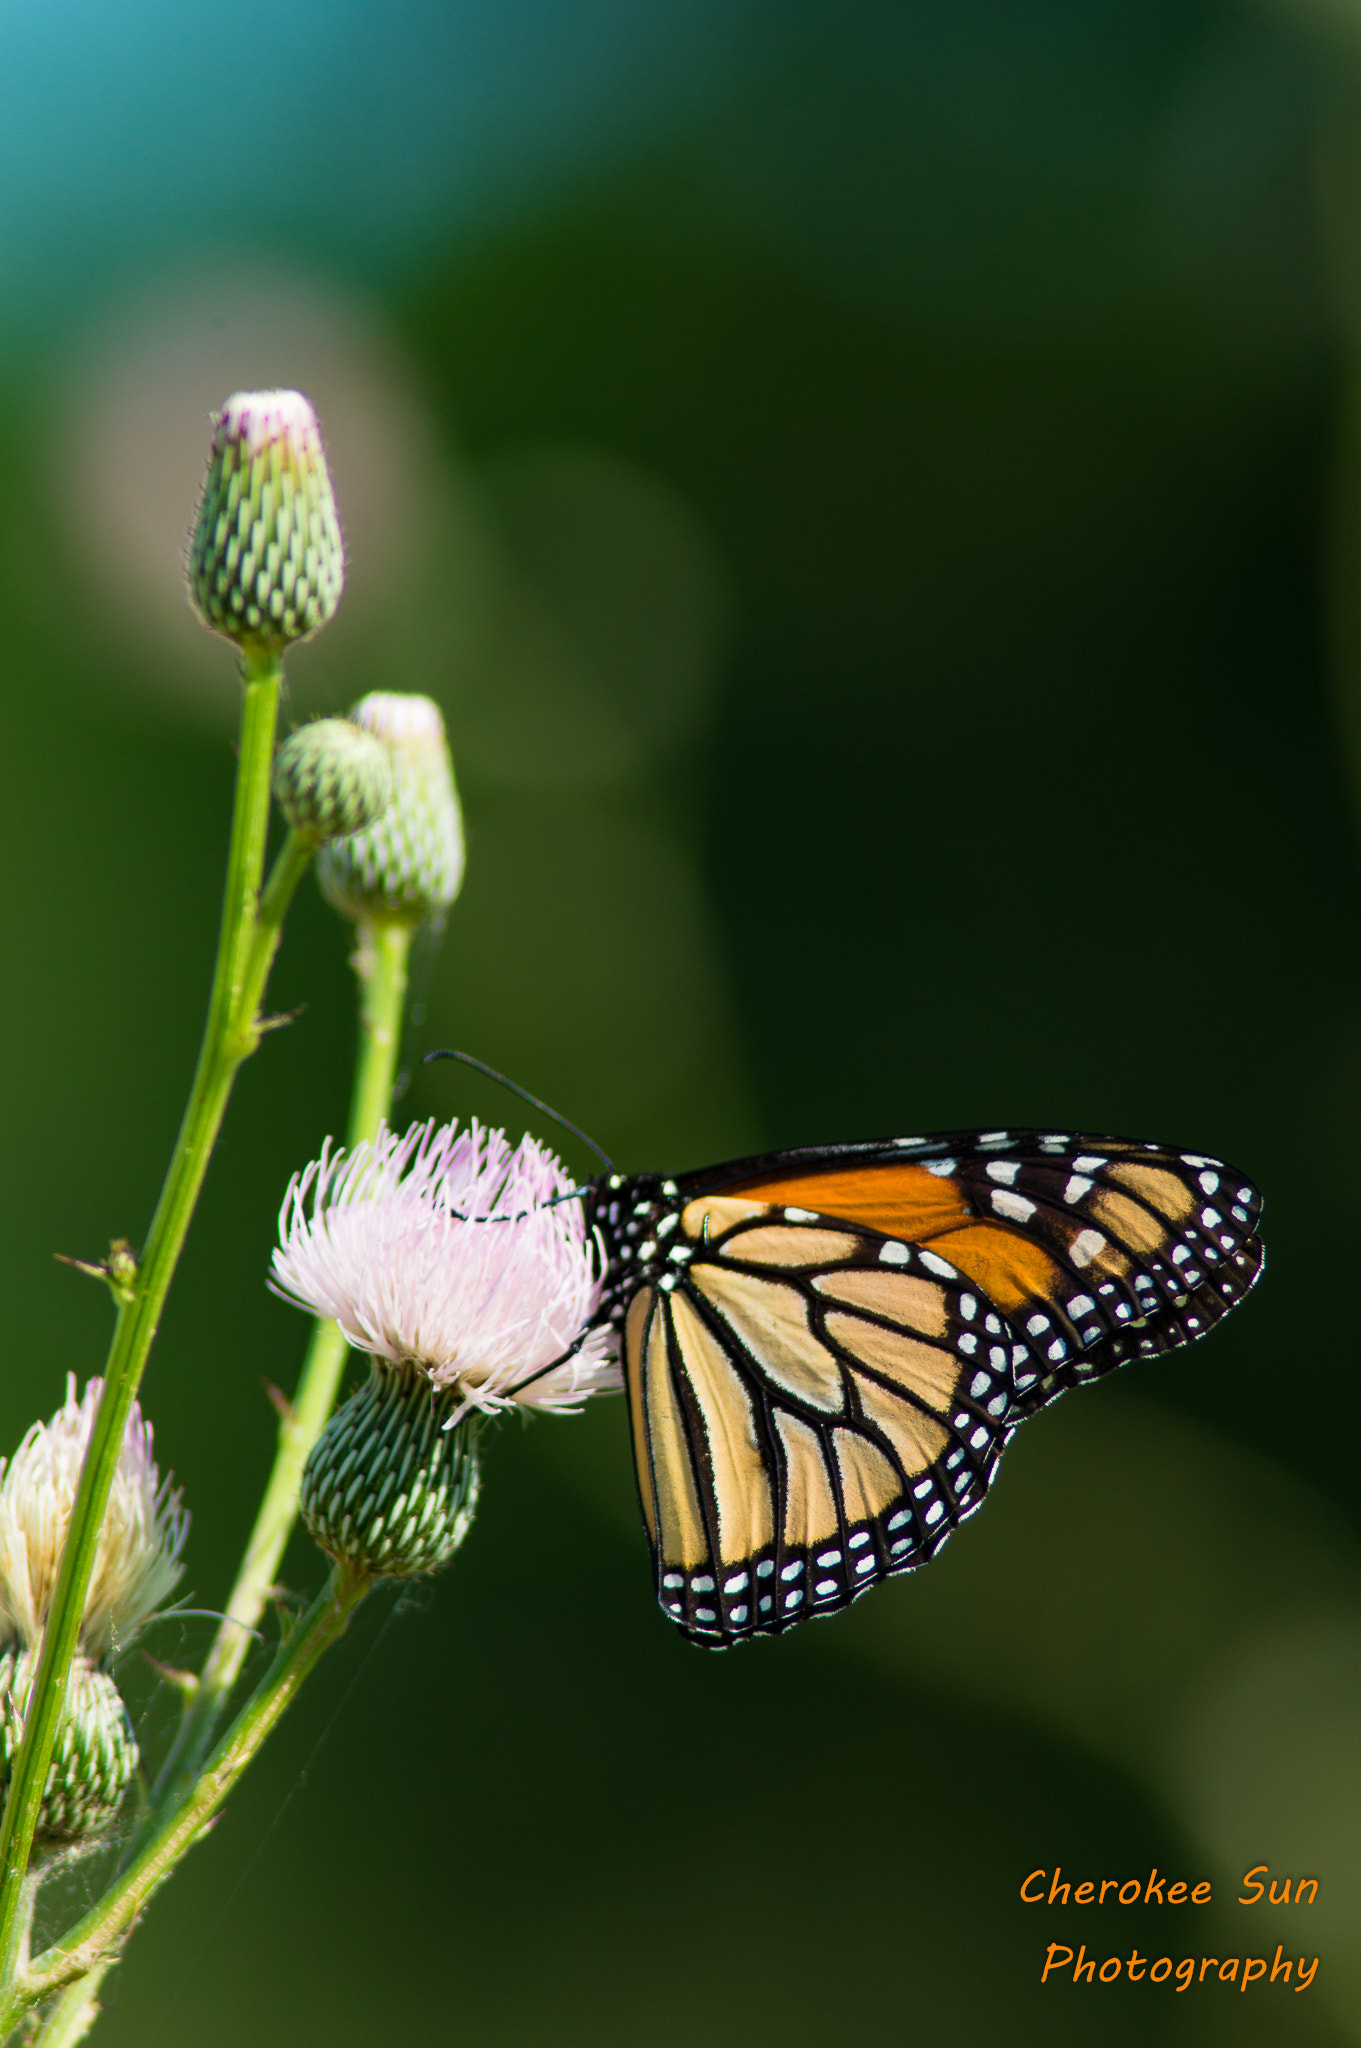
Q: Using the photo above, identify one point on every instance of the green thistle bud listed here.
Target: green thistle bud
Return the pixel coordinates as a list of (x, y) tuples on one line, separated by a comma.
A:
[(95, 1754), (388, 1490), (266, 560), (407, 866), (331, 778)]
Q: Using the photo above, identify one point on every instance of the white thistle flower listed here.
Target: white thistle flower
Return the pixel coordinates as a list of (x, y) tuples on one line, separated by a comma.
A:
[(437, 1251), (137, 1565)]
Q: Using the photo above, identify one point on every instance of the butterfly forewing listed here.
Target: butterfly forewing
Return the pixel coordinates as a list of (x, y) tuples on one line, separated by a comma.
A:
[(1098, 1249), (814, 1410)]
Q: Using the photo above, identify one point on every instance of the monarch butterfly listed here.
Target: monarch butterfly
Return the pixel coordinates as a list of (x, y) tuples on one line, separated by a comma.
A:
[(826, 1351)]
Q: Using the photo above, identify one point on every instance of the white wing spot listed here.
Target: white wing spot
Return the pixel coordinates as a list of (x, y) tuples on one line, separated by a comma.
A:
[(892, 1254), (968, 1308), (1088, 1163), (735, 1584), (931, 1263), (1014, 1206), (1004, 1170), (1085, 1247), (1079, 1184), (943, 1167), (737, 1614), (791, 1571), (704, 1585), (800, 1215), (793, 1599)]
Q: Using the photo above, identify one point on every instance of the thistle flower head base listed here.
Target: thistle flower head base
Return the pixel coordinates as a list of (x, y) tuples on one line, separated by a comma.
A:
[(95, 1754), (390, 1488)]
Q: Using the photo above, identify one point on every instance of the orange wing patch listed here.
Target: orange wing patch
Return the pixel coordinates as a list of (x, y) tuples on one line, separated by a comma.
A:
[(899, 1201)]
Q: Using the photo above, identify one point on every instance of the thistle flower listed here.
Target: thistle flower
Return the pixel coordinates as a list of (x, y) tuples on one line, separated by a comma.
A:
[(437, 1255), (137, 1566), (407, 866), (266, 561)]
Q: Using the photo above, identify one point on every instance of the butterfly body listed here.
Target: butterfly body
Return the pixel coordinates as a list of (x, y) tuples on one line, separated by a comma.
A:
[(825, 1351)]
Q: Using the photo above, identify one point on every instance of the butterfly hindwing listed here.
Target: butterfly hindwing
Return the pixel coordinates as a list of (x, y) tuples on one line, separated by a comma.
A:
[(814, 1409)]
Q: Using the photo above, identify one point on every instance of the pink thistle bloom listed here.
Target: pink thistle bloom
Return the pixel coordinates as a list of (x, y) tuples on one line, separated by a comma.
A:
[(437, 1251), (137, 1564)]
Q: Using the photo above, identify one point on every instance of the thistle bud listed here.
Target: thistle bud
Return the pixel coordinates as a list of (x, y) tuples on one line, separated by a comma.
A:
[(407, 866), (390, 1489), (137, 1566), (331, 778), (266, 560), (95, 1753)]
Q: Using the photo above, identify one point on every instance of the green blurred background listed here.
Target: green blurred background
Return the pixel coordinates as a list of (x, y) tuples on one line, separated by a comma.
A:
[(873, 487)]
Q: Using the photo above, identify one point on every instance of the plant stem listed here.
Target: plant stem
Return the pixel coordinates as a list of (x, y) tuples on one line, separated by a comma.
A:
[(381, 964), (246, 946), (75, 2010), (85, 1946)]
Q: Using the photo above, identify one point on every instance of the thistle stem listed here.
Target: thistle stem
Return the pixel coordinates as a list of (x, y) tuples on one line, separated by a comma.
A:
[(74, 2010), (247, 943), (84, 1947), (381, 965)]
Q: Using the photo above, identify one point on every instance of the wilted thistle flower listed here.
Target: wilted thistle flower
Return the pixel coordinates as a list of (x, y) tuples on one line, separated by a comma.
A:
[(266, 560), (137, 1566), (407, 866), (438, 1255), (331, 778)]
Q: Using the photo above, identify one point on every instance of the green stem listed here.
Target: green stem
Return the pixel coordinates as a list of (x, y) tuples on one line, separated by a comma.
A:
[(246, 947), (74, 2011), (85, 1946), (381, 964)]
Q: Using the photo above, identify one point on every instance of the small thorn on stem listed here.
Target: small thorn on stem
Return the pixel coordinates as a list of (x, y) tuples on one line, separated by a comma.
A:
[(277, 1023), (118, 1270), (185, 1682), (280, 1403)]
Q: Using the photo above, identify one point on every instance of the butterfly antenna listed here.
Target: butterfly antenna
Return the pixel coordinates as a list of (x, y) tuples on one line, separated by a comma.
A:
[(525, 1096)]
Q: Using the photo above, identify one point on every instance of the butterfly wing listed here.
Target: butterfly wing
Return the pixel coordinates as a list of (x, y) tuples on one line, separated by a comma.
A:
[(1098, 1249), (825, 1352), (813, 1410)]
